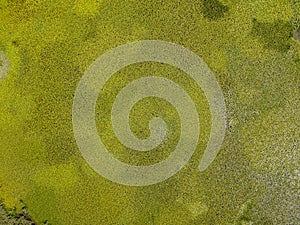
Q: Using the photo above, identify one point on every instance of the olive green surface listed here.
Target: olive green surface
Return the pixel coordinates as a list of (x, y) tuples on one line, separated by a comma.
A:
[(252, 47)]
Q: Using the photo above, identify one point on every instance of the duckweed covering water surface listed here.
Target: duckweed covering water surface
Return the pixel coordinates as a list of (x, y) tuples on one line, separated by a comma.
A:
[(252, 50)]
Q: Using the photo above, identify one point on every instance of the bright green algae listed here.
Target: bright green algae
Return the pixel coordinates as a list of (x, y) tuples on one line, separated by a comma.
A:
[(249, 46)]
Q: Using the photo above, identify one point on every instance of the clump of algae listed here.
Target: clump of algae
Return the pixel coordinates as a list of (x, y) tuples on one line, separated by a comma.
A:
[(51, 43)]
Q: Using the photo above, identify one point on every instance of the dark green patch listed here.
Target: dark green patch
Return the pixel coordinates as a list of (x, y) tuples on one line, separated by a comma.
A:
[(213, 9), (273, 35)]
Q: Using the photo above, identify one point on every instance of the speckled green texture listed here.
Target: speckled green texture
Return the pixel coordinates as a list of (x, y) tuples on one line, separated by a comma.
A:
[(252, 50)]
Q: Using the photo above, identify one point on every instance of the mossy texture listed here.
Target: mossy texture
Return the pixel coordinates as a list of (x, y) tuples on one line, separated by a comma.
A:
[(249, 45)]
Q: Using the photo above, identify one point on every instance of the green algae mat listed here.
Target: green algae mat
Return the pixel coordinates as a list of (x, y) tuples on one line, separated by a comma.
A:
[(149, 112)]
